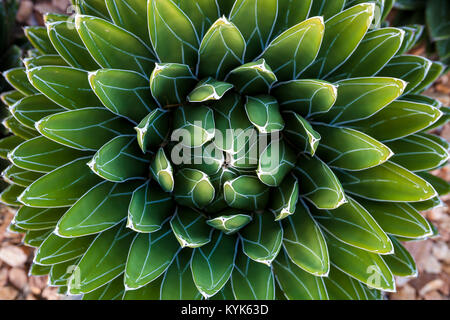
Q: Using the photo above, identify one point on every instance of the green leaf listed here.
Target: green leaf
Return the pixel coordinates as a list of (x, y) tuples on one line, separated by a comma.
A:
[(275, 162), (343, 33), (37, 270), (247, 193), (150, 255), (149, 209), (435, 71), (120, 160), (146, 293), (42, 155), (409, 68), (56, 250), (399, 219), (61, 187), (61, 272), (66, 86), (290, 12), (172, 33), (190, 228), (318, 183), (113, 47), (441, 186), (84, 129), (128, 14), (292, 52), (296, 283), (427, 205), (213, 264), (283, 199), (194, 125), (304, 242), (16, 128), (349, 149), (37, 218), (39, 39), (437, 19), (8, 144), (251, 280), (113, 290), (208, 159), (99, 209), (203, 13), (230, 221), (209, 89), (364, 266), (386, 182), (352, 224), (35, 238), (170, 83), (153, 129), (373, 53), (94, 269), (69, 45), (10, 195), (326, 8), (305, 97), (361, 98), (262, 239), (300, 132), (9, 98), (398, 120), (92, 7), (401, 263), (31, 109), (256, 21), (125, 93), (418, 153), (162, 171), (264, 112), (252, 78), (193, 188), (44, 60), (342, 287), (221, 50), (17, 78), (178, 283), (19, 176)]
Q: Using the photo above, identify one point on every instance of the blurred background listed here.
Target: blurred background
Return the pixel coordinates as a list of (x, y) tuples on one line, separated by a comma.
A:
[(432, 256)]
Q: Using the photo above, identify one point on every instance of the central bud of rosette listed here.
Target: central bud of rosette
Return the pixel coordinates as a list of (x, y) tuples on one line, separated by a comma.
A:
[(215, 139)]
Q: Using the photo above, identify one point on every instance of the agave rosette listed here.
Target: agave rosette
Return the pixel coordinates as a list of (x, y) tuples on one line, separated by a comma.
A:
[(319, 214)]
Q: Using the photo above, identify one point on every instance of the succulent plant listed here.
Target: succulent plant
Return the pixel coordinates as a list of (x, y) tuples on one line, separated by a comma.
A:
[(222, 149), (427, 20)]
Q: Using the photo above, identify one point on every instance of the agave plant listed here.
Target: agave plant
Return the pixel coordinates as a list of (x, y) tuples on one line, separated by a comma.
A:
[(428, 20), (119, 94)]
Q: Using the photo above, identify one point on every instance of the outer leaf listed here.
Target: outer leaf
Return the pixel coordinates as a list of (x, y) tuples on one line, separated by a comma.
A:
[(401, 263), (99, 209), (17, 78), (221, 50), (364, 266), (37, 219), (150, 255), (352, 224), (350, 149), (66, 86), (39, 39), (97, 269), (8, 144), (304, 242), (387, 182), (295, 49), (84, 129), (213, 264), (262, 239), (114, 47), (43, 155), (190, 228), (318, 183), (125, 93), (153, 129), (61, 187), (172, 33), (251, 280), (119, 160), (149, 208)]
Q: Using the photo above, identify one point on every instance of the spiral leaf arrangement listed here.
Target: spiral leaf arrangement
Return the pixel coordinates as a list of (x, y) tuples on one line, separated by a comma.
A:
[(108, 97)]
